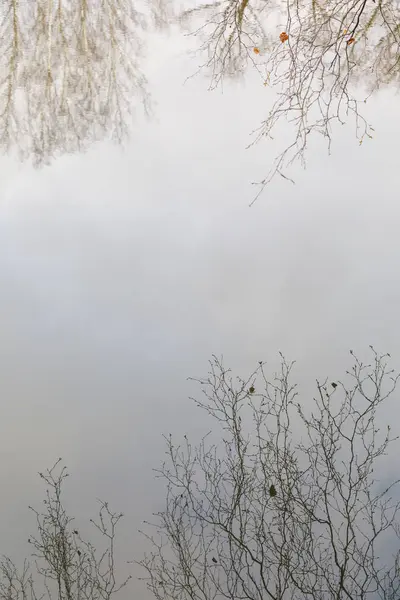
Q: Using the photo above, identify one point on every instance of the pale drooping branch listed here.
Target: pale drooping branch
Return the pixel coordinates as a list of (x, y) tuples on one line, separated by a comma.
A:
[(323, 60), (70, 74)]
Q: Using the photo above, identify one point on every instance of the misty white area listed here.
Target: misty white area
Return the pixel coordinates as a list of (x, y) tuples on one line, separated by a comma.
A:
[(121, 273)]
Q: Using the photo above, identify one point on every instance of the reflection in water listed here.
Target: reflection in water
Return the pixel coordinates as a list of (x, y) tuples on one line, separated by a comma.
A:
[(69, 74)]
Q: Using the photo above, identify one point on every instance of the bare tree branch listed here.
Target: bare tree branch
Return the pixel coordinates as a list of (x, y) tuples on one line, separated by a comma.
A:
[(289, 506), (323, 59), (69, 74), (69, 567)]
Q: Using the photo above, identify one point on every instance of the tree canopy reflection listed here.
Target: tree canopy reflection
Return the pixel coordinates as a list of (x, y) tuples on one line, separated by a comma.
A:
[(69, 74)]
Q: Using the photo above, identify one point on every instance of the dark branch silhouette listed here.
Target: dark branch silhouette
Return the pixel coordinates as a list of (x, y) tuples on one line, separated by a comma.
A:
[(324, 529)]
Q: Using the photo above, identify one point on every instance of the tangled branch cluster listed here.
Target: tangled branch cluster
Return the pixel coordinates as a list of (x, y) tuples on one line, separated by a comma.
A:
[(316, 55), (290, 507), (69, 567), (69, 74)]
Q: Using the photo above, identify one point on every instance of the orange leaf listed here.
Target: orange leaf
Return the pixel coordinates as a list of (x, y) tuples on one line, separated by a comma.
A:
[(283, 37), (350, 41), (256, 51)]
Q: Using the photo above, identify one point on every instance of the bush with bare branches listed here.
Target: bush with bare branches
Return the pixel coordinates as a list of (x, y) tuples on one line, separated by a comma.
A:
[(289, 506), (69, 567)]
